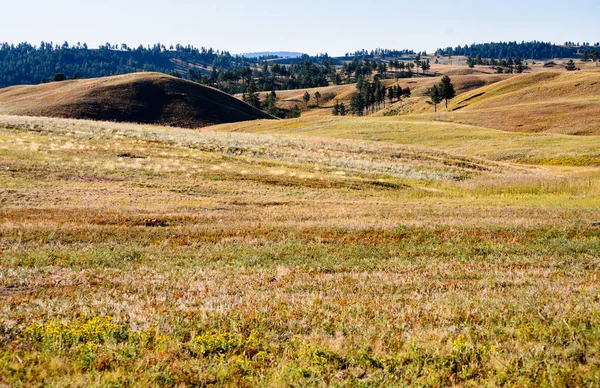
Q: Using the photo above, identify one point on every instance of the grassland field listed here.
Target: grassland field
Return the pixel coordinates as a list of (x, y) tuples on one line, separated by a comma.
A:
[(376, 251)]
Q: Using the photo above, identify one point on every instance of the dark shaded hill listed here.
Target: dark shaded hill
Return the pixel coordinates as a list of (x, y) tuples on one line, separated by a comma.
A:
[(151, 98)]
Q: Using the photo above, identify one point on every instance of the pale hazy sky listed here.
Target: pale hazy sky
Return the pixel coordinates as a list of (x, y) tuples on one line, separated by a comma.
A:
[(308, 26)]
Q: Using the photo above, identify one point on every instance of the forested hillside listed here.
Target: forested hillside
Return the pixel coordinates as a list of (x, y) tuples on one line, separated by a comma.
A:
[(528, 50), (28, 64)]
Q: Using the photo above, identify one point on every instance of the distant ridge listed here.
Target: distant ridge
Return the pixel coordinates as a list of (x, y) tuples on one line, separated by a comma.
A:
[(281, 54), (152, 98)]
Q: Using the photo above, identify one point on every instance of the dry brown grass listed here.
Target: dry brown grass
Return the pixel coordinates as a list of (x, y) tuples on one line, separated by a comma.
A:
[(554, 102), (151, 256), (140, 98)]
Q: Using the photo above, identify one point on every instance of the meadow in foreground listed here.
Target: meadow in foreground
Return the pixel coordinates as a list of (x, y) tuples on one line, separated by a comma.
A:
[(148, 256)]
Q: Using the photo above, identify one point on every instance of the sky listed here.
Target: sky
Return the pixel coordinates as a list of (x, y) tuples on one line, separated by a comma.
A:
[(310, 26)]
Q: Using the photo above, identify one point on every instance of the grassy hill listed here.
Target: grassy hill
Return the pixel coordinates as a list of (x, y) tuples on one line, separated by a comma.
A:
[(543, 101), (557, 102), (153, 98), (287, 99)]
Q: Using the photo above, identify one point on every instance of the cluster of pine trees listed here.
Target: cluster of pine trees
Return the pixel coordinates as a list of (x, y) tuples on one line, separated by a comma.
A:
[(507, 65), (372, 95), (269, 105), (339, 109), (267, 76), (444, 91), (365, 68), (529, 50)]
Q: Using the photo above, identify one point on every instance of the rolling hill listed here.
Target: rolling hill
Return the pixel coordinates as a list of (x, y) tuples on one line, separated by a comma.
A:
[(287, 99), (557, 102), (151, 98)]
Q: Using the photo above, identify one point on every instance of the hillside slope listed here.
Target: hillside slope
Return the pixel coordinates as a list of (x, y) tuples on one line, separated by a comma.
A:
[(287, 99), (152, 98), (557, 102)]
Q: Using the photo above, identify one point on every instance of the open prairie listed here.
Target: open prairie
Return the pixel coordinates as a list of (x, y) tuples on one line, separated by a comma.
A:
[(377, 251)]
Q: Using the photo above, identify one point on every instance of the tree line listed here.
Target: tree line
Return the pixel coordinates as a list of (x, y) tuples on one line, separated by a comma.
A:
[(381, 53), (267, 76), (530, 50), (506, 65), (25, 63)]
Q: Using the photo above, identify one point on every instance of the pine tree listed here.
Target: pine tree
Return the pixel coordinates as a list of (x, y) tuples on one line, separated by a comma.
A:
[(306, 98), (571, 66), (435, 96), (426, 66), (270, 104), (417, 62), (471, 62), (447, 89), (336, 108), (518, 65), (391, 93), (594, 55), (317, 97), (251, 97), (357, 105), (294, 112)]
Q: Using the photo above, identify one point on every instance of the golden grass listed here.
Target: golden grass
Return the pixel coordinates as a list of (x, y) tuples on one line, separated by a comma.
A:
[(433, 133), (554, 102), (152, 256)]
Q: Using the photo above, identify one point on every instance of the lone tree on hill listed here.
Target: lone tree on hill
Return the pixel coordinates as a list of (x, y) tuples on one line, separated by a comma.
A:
[(317, 97), (251, 97), (306, 98), (571, 66), (471, 62), (417, 62), (447, 89), (435, 96), (269, 105)]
